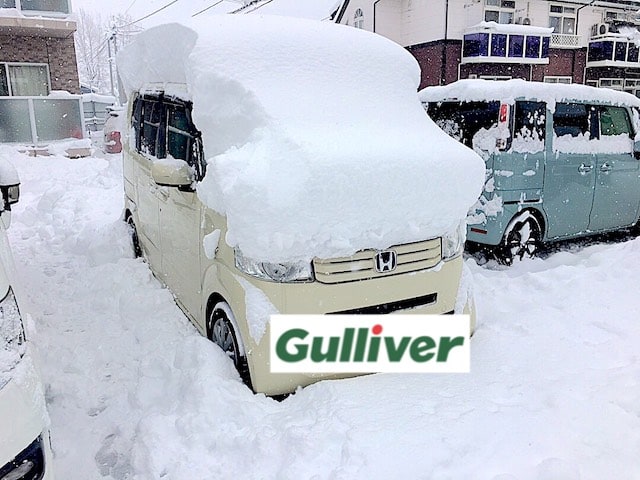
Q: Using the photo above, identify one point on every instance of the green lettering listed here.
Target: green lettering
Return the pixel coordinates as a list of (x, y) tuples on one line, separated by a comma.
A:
[(282, 349), (317, 355), (419, 348), (347, 343), (446, 344), (395, 353), (361, 345), (374, 346)]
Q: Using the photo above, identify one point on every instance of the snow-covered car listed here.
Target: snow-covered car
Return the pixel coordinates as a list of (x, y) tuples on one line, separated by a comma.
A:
[(561, 160), (25, 451), (278, 165), (113, 130)]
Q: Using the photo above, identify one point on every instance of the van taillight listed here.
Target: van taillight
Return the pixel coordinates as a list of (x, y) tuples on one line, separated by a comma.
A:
[(504, 113)]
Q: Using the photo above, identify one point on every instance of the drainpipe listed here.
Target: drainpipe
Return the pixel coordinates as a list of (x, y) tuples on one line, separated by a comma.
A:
[(573, 63), (443, 72), (375, 4)]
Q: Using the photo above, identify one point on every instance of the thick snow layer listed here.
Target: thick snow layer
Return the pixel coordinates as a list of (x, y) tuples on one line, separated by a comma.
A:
[(134, 392), (316, 141), (511, 90), (512, 28)]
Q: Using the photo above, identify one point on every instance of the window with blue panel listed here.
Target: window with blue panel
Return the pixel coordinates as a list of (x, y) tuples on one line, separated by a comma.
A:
[(599, 51), (632, 56), (498, 45), (476, 45), (516, 45), (532, 47), (621, 51), (545, 47)]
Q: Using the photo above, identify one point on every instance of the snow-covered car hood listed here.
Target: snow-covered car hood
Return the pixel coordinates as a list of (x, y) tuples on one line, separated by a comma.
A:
[(316, 141)]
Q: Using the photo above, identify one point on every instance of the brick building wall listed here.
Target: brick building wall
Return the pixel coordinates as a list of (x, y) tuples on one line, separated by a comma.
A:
[(58, 53)]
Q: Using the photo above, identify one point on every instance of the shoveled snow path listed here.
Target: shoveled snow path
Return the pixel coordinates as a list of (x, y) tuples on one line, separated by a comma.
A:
[(135, 393)]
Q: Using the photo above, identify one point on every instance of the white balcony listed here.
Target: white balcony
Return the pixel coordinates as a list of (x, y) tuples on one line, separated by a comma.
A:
[(562, 40)]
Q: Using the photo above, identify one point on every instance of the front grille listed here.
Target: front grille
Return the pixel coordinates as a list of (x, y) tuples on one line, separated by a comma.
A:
[(391, 306), (412, 257)]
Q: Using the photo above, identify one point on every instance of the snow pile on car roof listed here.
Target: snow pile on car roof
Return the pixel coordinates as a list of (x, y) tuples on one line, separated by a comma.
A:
[(476, 90), (317, 144)]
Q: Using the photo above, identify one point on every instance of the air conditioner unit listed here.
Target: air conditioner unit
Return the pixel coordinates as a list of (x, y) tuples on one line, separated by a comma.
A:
[(602, 28), (526, 21)]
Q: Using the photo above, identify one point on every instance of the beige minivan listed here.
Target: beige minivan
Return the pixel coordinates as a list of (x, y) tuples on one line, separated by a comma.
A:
[(241, 185)]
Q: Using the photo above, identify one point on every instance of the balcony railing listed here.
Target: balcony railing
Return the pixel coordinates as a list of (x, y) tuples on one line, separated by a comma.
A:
[(562, 40)]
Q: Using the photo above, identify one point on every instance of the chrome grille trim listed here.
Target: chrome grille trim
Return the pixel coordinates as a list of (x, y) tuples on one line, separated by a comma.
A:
[(412, 257)]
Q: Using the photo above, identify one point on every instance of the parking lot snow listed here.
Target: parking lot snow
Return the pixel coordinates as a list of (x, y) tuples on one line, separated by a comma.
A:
[(135, 393)]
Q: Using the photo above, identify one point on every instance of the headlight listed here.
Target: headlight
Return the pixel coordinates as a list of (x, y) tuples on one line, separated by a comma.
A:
[(11, 332), (453, 242), (275, 272)]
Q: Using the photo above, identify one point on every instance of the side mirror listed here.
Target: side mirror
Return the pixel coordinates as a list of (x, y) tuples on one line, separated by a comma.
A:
[(10, 194), (636, 150), (172, 173)]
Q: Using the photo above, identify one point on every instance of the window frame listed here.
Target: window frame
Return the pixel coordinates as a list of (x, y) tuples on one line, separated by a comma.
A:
[(498, 7), (7, 77), (562, 15), (358, 19)]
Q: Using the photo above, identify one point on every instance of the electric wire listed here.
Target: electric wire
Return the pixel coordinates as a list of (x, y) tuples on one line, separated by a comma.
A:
[(205, 9)]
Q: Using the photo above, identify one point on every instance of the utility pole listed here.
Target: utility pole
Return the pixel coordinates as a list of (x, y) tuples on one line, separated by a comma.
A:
[(113, 37)]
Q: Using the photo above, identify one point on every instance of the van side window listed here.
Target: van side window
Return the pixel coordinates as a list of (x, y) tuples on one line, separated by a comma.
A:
[(529, 126), (463, 120), (135, 121), (574, 119), (614, 121), (152, 141), (183, 139)]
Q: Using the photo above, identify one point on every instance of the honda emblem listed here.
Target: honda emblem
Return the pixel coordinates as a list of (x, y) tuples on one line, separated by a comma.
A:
[(386, 261)]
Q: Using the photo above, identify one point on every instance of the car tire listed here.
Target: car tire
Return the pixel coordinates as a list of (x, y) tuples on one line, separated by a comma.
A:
[(522, 239), (135, 242), (222, 330)]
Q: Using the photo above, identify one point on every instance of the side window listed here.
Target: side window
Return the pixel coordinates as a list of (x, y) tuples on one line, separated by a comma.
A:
[(152, 141), (529, 126), (614, 121), (183, 139), (575, 119), (135, 121), (463, 120)]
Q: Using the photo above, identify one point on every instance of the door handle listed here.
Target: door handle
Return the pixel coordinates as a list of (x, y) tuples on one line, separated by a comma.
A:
[(163, 193), (584, 169), (606, 167)]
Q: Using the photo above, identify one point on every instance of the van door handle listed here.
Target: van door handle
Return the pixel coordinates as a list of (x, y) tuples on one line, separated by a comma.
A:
[(163, 193), (606, 168), (584, 169)]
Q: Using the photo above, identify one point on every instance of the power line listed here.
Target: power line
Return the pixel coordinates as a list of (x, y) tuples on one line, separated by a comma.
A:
[(205, 9), (260, 6), (150, 14), (129, 7)]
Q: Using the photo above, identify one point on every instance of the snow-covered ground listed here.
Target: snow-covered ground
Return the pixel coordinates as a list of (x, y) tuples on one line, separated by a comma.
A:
[(135, 393)]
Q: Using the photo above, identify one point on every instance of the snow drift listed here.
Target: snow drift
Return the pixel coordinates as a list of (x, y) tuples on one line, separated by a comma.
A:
[(316, 141)]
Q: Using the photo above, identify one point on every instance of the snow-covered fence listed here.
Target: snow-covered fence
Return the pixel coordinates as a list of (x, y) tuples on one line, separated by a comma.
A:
[(37, 120), (96, 110)]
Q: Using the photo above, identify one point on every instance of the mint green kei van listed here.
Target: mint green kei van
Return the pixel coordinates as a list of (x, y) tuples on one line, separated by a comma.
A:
[(562, 161)]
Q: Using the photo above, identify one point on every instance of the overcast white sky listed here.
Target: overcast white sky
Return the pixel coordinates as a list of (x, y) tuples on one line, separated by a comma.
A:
[(184, 9)]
